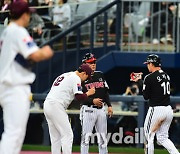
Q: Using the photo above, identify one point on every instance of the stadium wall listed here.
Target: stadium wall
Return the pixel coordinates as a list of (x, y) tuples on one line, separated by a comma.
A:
[(116, 65)]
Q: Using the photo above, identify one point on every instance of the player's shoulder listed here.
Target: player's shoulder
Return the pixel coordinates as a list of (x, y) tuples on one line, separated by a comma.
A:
[(159, 73), (14, 30), (98, 72), (148, 76), (15, 27), (70, 74), (164, 73)]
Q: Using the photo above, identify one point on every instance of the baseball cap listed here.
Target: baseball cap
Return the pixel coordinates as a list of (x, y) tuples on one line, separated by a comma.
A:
[(17, 8), (88, 58), (87, 69), (153, 58)]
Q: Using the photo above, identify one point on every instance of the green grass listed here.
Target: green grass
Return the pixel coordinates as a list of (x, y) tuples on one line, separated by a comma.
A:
[(127, 150), (35, 148)]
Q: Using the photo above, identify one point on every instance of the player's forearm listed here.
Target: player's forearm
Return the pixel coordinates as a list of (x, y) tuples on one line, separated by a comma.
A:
[(81, 97), (88, 101), (140, 83), (42, 54), (107, 100), (145, 95)]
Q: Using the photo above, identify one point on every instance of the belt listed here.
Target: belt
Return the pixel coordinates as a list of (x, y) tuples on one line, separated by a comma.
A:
[(96, 107)]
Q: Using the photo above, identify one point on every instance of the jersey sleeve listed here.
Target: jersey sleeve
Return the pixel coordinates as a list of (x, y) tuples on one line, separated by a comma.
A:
[(146, 88), (25, 43), (76, 83), (107, 99), (104, 80), (106, 85)]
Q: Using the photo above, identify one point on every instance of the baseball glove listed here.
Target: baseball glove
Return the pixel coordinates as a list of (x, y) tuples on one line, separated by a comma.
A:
[(135, 76)]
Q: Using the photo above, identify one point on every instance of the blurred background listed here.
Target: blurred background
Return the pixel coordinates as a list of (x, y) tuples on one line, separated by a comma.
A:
[(120, 33)]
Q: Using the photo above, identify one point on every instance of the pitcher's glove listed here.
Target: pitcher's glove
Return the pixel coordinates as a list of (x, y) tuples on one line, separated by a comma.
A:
[(135, 76)]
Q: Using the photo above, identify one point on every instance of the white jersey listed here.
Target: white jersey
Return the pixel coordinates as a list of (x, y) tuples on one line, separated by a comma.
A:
[(13, 41), (64, 88)]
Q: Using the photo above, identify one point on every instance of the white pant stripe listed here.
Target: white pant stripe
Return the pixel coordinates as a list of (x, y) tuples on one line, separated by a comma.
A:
[(149, 121)]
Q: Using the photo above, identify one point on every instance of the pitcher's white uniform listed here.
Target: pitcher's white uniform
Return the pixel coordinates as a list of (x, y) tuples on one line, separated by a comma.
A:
[(14, 86), (58, 99)]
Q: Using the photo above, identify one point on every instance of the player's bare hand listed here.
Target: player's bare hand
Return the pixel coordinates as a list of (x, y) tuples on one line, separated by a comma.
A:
[(110, 111), (98, 102), (90, 91), (135, 76)]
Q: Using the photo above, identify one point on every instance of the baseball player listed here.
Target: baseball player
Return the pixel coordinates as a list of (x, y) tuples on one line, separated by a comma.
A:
[(93, 113), (65, 88), (16, 49), (156, 89)]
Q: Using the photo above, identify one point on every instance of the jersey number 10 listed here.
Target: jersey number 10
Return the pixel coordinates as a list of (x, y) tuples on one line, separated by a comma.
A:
[(166, 87)]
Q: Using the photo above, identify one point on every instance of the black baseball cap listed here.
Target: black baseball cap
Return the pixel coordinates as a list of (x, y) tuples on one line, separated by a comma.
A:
[(153, 58), (88, 58), (87, 69), (18, 8)]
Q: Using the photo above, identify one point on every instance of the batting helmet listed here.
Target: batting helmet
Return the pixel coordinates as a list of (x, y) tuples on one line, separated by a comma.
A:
[(88, 58), (155, 59)]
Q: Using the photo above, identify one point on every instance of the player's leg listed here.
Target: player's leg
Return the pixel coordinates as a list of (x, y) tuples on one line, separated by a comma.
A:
[(54, 133), (15, 105), (55, 139), (162, 132), (88, 121), (66, 134), (149, 136), (101, 129), (59, 118)]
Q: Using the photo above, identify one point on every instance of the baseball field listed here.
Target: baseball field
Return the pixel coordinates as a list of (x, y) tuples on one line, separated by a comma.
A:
[(35, 149)]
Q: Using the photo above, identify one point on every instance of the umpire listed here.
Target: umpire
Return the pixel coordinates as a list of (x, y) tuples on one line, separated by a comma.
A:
[(156, 89), (94, 114)]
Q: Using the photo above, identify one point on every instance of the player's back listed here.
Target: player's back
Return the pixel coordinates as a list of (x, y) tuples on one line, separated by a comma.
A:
[(15, 40), (6, 45), (62, 90), (157, 88)]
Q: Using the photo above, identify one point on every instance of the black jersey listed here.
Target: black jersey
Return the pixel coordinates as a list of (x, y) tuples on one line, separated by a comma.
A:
[(156, 88), (99, 83)]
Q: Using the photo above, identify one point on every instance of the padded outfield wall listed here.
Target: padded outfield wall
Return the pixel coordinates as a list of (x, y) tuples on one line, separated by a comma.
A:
[(116, 66)]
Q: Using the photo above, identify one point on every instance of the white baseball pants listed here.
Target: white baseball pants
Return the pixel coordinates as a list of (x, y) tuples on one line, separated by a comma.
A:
[(155, 114), (60, 130), (91, 117), (15, 103)]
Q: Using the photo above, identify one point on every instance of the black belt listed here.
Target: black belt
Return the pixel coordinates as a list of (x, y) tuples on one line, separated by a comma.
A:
[(96, 107), (157, 105)]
